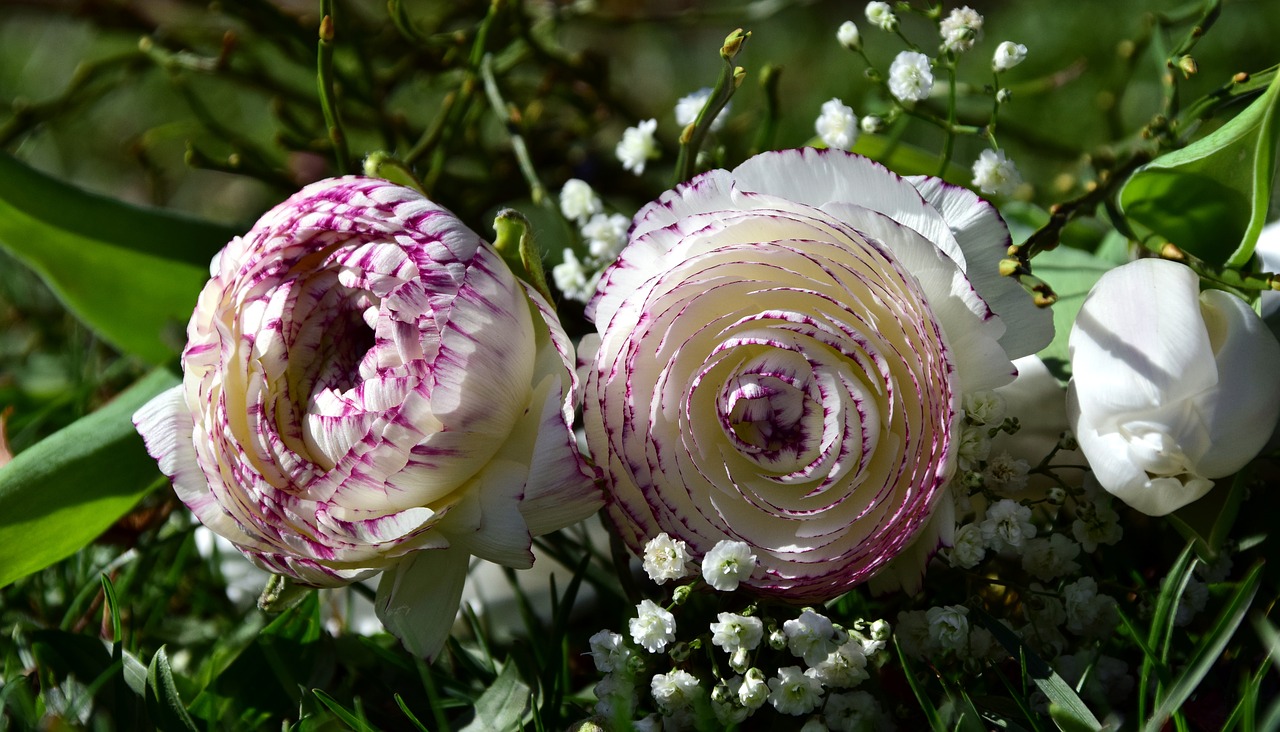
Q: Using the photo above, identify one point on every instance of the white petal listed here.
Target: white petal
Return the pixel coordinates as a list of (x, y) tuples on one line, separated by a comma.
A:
[(418, 599), (1139, 341), (984, 238), (1239, 413)]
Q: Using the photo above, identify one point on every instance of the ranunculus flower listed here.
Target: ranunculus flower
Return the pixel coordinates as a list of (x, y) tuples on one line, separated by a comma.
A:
[(1171, 387), (368, 388), (782, 354)]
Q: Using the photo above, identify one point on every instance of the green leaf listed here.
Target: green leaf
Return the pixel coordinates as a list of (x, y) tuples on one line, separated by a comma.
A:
[(1210, 197), (348, 717), (1208, 521), (931, 712), (1207, 651), (131, 274), (61, 493), (1071, 273), (1072, 714), (905, 159), (502, 705), (163, 702)]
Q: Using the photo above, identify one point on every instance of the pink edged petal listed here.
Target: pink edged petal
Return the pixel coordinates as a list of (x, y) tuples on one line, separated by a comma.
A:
[(560, 491), (906, 571), (984, 238), (817, 177), (166, 426), (555, 352), (1139, 341), (487, 521), (418, 599)]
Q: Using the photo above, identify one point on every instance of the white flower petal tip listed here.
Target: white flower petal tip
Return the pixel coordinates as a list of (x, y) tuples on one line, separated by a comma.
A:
[(1171, 388), (775, 364), (365, 384)]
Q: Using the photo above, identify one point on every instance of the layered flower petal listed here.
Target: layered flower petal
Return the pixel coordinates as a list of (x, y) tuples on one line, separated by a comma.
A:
[(365, 379), (782, 350)]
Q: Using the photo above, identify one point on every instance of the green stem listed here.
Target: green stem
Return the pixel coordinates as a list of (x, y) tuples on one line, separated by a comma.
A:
[(328, 96), (949, 141), (536, 190), (693, 136)]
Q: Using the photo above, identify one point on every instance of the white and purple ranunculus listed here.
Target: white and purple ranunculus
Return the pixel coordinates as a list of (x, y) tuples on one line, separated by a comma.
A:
[(368, 388), (783, 349), (1171, 387)]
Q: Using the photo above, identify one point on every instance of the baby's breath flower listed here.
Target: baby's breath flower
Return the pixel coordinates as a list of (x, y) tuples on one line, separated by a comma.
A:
[(1088, 612), (753, 692), (665, 558), (1006, 474), (739, 660), (814, 724), (1194, 597), (853, 711), (605, 235), (961, 29), (791, 692), (810, 636), (1007, 525), (653, 627), (876, 638), (615, 696), (690, 105), (638, 146), (871, 124), (1050, 557), (777, 639), (650, 723), (912, 632), (910, 79), (733, 632), (675, 690), (1216, 571), (571, 278), (984, 407), (727, 564), (975, 445), (1100, 526), (837, 125), (848, 35), (993, 173), (725, 705), (1108, 678), (968, 547), (949, 627), (609, 651), (1008, 54), (843, 668), (578, 201), (881, 16)]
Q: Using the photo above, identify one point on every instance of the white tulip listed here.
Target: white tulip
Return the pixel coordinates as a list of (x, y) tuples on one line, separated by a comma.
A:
[(1171, 388)]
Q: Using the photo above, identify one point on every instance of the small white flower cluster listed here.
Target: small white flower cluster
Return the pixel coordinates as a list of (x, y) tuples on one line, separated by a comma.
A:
[(638, 146), (837, 125), (604, 234), (911, 80), (690, 105), (945, 631), (817, 662), (995, 174)]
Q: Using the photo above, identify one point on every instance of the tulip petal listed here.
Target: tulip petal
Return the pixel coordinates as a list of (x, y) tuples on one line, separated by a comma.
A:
[(1240, 411)]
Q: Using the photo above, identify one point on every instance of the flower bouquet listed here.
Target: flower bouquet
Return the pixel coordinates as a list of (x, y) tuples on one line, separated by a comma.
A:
[(575, 365)]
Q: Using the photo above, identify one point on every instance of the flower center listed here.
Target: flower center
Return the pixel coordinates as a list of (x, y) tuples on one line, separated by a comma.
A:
[(767, 411)]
